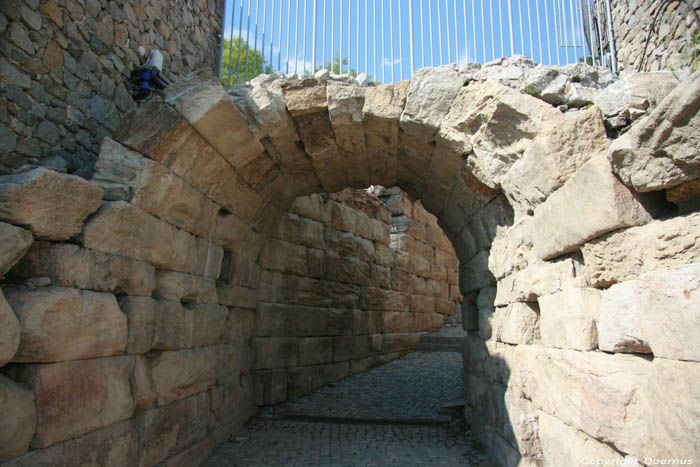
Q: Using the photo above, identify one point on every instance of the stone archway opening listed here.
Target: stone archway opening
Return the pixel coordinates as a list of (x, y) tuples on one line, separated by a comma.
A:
[(196, 188)]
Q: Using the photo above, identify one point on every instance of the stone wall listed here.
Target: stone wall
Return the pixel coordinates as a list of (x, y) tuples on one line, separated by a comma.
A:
[(670, 43), (65, 65), (340, 294)]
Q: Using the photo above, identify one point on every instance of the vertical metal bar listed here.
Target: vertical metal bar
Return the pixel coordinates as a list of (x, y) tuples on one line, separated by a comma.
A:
[(262, 49), (296, 39), (391, 36), (522, 34), (493, 38), (539, 31), (501, 28), (430, 21), (381, 2), (473, 32), (332, 70), (247, 37), (591, 43), (357, 47), (400, 41), (454, 10), (439, 33), (483, 30), (410, 26), (510, 26), (582, 35), (272, 36), (374, 40), (447, 27), (340, 59), (255, 47), (366, 37), (323, 47), (529, 22), (573, 28), (240, 33), (230, 45), (303, 44), (349, 32), (313, 40), (289, 15), (564, 29), (611, 37), (546, 24), (600, 34), (556, 29), (422, 43)]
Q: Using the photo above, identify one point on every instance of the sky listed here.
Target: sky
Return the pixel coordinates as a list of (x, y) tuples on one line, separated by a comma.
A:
[(383, 50)]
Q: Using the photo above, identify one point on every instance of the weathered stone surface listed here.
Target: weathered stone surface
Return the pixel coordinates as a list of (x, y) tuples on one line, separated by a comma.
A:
[(305, 97), (14, 242), (128, 176), (282, 256), (52, 205), (303, 380), (568, 319), (563, 444), (519, 323), (635, 91), (381, 112), (122, 229), (555, 154), (475, 274), (275, 352), (207, 323), (9, 331), (141, 318), (204, 103), (384, 300), (17, 418), (67, 324), (74, 398), (234, 295), (179, 286), (173, 326), (290, 289), (661, 149), (72, 266), (657, 313), (537, 279), (236, 236), (141, 386), (345, 111), (623, 255), (429, 97), (591, 203), (182, 373)]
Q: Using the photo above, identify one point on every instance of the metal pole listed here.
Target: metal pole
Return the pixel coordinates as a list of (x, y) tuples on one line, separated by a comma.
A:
[(510, 26), (240, 33), (289, 15), (529, 22), (546, 24), (600, 33), (230, 45), (303, 44), (313, 40), (591, 44), (410, 17), (493, 37), (357, 47), (255, 47), (374, 40), (539, 30), (611, 37), (383, 44), (366, 37), (556, 30), (573, 28), (439, 33), (582, 34), (501, 28), (340, 58), (473, 33), (564, 29), (247, 37), (447, 27), (400, 41), (454, 9), (279, 40), (391, 37), (483, 30), (430, 21), (349, 32), (466, 31), (296, 39), (522, 34), (272, 36), (332, 70), (422, 43), (262, 61)]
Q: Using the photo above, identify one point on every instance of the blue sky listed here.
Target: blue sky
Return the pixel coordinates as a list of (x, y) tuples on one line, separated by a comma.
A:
[(482, 32)]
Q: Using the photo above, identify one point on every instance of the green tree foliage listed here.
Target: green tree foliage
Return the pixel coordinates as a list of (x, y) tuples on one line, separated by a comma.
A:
[(335, 68), (256, 64)]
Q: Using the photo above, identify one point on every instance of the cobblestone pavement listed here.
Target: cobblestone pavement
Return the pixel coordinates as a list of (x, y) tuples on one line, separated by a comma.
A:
[(388, 416)]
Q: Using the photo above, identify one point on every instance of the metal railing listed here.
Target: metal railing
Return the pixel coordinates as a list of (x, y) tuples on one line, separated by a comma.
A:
[(389, 39)]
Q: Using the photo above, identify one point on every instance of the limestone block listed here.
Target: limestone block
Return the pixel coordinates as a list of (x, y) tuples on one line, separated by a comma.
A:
[(203, 102), (303, 380), (182, 373), (381, 112), (305, 97), (429, 97), (563, 444), (141, 386), (179, 286), (422, 304), (315, 351), (661, 149), (71, 266), (383, 300), (59, 324), (208, 258), (445, 307), (53, 205), (238, 237), (113, 445), (623, 255), (164, 431), (122, 229), (74, 398), (468, 196), (172, 326), (275, 352), (345, 110), (141, 318), (240, 271), (553, 157), (277, 320), (498, 124), (475, 274), (619, 327), (400, 341), (521, 424), (14, 242), (591, 203), (9, 331), (568, 319), (17, 418), (270, 386), (635, 91), (233, 295), (602, 413), (282, 256), (511, 249), (285, 288), (208, 323), (128, 176), (519, 324), (319, 142)]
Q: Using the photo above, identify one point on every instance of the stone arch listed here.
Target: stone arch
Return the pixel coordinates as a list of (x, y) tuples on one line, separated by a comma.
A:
[(202, 173)]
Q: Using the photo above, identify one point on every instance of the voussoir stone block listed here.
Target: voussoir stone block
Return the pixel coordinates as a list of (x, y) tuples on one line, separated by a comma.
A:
[(9, 331), (51, 204), (60, 324), (17, 418), (591, 203), (123, 229), (74, 398), (14, 243), (345, 111), (568, 319), (71, 266)]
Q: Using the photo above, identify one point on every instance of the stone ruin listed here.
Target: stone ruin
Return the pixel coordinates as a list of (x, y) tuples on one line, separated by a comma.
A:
[(216, 262)]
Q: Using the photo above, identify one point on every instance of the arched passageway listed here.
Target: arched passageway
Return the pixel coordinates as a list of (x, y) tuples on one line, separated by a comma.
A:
[(542, 209)]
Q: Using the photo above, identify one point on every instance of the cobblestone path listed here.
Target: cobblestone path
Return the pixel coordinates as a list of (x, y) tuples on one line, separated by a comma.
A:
[(388, 416)]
